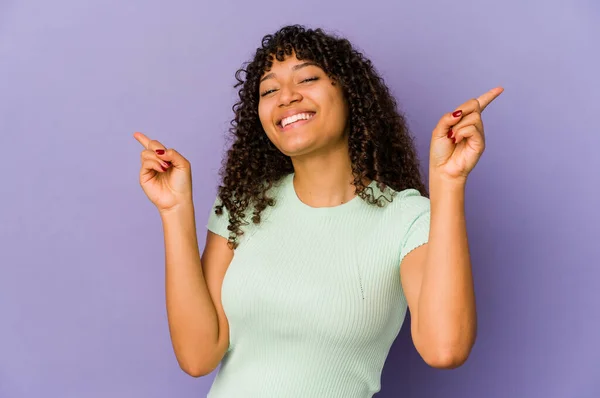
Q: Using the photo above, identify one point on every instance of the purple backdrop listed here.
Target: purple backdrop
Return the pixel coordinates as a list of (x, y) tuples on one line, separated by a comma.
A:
[(82, 278)]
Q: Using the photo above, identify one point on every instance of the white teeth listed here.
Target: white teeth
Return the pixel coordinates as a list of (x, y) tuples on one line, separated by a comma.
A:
[(295, 118)]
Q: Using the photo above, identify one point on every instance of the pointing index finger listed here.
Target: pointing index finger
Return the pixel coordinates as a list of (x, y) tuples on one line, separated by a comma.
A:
[(142, 139), (485, 99)]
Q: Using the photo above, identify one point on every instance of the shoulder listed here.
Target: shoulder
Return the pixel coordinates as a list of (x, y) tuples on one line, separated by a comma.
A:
[(396, 212), (403, 212), (218, 223), (406, 203), (411, 201), (409, 218), (272, 192)]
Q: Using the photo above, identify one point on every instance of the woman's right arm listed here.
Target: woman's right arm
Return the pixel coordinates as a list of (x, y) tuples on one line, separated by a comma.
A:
[(197, 323)]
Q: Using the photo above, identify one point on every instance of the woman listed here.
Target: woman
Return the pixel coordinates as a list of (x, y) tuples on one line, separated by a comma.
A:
[(324, 228)]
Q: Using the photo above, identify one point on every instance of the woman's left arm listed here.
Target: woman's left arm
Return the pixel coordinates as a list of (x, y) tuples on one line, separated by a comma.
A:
[(437, 277), (438, 283)]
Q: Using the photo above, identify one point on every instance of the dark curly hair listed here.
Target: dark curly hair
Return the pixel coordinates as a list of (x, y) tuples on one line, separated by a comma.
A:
[(380, 146)]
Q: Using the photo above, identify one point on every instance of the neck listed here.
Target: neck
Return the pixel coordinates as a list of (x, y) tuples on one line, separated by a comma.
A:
[(324, 180)]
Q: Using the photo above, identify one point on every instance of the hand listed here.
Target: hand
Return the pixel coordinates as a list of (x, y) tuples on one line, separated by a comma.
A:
[(165, 175), (458, 139)]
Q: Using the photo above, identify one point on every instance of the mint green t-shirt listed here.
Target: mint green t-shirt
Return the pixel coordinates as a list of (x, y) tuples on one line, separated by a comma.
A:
[(313, 295)]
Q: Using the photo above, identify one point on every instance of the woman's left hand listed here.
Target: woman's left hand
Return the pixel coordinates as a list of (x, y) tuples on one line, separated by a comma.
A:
[(458, 139)]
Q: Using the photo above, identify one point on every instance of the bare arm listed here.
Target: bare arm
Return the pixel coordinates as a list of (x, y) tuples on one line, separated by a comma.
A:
[(438, 284), (197, 324), (437, 278)]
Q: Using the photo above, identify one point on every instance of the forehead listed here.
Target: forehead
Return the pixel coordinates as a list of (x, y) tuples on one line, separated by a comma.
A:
[(288, 60), (289, 65)]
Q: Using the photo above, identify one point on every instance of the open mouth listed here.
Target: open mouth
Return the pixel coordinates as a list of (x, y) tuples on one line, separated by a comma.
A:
[(295, 120)]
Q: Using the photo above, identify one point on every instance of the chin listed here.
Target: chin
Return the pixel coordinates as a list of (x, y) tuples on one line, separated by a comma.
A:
[(296, 150), (296, 145)]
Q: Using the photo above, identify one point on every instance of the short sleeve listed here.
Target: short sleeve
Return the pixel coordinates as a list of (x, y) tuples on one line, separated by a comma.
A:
[(417, 216), (218, 223)]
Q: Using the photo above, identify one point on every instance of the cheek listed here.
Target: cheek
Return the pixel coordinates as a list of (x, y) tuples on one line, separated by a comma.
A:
[(339, 109), (264, 114)]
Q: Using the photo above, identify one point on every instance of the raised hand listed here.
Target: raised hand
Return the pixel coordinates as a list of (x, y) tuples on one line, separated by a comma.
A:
[(458, 140), (165, 175)]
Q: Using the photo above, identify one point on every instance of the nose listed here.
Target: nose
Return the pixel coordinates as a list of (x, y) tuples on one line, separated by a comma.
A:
[(288, 95)]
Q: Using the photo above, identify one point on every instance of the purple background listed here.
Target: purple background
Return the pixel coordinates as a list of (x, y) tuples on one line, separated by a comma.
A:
[(81, 251)]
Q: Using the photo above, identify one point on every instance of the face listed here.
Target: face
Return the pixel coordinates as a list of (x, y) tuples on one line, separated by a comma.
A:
[(301, 109)]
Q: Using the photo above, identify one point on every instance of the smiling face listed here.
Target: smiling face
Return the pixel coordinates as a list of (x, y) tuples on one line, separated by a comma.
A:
[(301, 109)]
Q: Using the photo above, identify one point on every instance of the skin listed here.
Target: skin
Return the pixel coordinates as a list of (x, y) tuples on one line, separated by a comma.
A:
[(436, 277), (319, 148)]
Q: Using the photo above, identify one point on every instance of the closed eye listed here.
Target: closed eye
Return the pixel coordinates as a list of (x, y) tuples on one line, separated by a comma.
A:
[(267, 92), (310, 79)]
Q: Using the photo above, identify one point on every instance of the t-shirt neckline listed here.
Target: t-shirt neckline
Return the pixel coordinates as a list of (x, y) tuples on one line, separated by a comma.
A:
[(299, 205)]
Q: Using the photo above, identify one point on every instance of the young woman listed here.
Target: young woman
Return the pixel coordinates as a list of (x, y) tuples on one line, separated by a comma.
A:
[(323, 233)]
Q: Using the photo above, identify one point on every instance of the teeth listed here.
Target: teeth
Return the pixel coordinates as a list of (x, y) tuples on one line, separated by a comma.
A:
[(295, 118)]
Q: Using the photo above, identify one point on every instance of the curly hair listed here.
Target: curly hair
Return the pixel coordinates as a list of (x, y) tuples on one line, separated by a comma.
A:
[(380, 146)]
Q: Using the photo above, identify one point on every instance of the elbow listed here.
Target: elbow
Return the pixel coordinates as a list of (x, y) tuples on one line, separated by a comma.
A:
[(197, 368), (198, 362), (447, 360), (447, 352), (197, 371)]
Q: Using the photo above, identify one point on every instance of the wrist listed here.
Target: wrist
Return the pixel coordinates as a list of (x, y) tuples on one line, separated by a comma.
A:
[(440, 184), (185, 209)]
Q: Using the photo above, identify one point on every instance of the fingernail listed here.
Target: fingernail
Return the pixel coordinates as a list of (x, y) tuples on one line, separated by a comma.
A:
[(450, 133), (160, 151), (163, 167), (457, 113)]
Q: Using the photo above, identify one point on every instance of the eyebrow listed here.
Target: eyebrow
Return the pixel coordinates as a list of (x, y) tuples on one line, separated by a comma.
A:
[(294, 68)]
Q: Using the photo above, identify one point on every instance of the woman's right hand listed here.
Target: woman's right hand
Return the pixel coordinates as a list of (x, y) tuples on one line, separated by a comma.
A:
[(165, 176)]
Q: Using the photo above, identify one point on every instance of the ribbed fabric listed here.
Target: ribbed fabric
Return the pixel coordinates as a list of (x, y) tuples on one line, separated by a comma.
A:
[(313, 295)]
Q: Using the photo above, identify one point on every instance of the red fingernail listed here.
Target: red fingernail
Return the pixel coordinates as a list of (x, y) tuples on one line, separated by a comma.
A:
[(457, 113), (163, 167), (450, 133), (160, 151)]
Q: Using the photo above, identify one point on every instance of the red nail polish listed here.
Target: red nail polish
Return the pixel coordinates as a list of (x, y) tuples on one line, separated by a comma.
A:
[(450, 133), (163, 167), (457, 113), (160, 151)]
